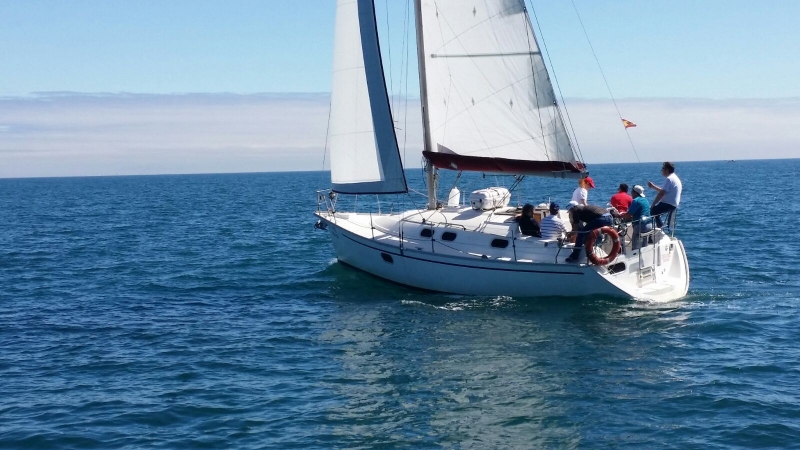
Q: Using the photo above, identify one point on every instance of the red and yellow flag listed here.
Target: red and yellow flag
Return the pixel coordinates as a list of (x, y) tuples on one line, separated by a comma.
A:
[(627, 123)]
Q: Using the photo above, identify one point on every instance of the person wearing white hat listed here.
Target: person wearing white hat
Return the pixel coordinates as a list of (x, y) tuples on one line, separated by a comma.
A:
[(638, 213)]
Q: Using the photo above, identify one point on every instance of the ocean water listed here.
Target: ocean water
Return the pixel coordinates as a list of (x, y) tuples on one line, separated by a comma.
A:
[(204, 311)]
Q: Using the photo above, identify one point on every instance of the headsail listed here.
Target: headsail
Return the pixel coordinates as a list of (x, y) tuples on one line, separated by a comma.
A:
[(490, 102), (364, 152)]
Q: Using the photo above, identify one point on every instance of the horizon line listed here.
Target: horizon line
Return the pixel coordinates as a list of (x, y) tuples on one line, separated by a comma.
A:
[(99, 94), (328, 170)]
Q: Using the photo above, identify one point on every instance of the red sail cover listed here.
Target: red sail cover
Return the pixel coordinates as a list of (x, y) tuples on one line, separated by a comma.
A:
[(501, 165)]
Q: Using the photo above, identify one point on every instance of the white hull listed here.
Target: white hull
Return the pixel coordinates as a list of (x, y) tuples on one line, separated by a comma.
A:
[(470, 265)]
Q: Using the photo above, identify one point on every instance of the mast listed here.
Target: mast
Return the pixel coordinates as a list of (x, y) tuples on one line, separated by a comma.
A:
[(431, 177)]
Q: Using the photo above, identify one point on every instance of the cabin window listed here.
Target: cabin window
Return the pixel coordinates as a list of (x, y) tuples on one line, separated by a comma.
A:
[(500, 243), (426, 232), (387, 257), (448, 236)]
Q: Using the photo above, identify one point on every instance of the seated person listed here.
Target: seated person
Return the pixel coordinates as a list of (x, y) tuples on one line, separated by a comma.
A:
[(621, 200), (527, 224), (669, 195), (552, 226), (638, 214), (591, 217)]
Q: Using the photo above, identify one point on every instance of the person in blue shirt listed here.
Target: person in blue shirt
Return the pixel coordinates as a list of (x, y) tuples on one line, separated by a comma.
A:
[(639, 214)]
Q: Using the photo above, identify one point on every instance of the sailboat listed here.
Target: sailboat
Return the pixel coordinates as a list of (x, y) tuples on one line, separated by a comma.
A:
[(488, 106)]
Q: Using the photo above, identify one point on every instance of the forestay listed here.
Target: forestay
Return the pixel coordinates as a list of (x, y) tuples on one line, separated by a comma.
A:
[(364, 152), (491, 105)]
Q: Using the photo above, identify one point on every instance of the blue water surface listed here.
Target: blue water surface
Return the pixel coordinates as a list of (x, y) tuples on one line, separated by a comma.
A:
[(204, 311)]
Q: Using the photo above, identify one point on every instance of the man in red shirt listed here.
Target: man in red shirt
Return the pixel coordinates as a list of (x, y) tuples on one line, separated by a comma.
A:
[(621, 200)]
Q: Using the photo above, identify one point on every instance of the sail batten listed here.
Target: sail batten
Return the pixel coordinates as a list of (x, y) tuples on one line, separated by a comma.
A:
[(489, 95), (484, 55), (365, 157)]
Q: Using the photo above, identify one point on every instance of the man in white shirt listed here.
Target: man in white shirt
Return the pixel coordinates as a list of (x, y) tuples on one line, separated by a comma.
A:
[(552, 227), (669, 195)]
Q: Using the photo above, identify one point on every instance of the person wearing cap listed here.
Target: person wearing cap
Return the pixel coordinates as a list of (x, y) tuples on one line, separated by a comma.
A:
[(639, 215), (592, 217), (581, 193), (669, 195), (527, 224), (621, 200), (552, 226)]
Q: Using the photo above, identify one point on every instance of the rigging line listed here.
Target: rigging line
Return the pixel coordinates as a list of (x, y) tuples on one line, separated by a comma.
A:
[(389, 49), (558, 85), (403, 52), (327, 134), (405, 91), (604, 78), (455, 182), (534, 72), (517, 181)]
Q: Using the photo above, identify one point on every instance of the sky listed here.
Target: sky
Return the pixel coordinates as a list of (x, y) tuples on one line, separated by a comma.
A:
[(120, 87)]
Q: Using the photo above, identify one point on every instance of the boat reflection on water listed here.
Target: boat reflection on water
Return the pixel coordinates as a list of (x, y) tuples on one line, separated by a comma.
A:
[(493, 372)]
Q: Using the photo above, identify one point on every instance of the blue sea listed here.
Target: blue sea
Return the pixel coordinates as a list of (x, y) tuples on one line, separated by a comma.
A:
[(204, 311)]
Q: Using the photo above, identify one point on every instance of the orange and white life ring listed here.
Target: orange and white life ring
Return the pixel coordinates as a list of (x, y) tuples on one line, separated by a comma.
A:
[(590, 240)]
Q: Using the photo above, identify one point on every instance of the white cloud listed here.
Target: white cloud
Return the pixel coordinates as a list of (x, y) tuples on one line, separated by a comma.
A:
[(63, 134), (146, 134)]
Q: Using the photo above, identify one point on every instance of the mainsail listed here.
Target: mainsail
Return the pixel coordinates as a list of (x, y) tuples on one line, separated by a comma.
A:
[(490, 103), (364, 152)]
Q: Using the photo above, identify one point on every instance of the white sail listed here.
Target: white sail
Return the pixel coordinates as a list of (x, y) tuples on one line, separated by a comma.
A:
[(491, 106), (364, 153)]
